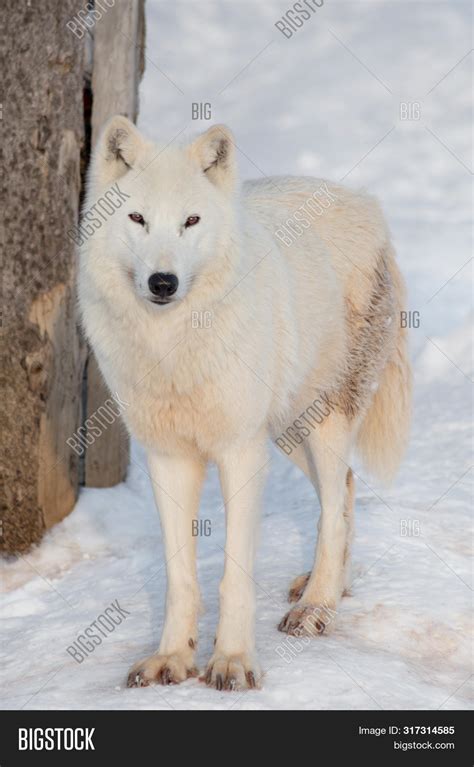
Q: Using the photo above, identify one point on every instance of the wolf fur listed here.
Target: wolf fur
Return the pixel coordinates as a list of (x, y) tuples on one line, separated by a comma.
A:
[(285, 324)]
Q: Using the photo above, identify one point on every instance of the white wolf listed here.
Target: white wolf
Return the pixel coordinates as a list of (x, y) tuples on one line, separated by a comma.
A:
[(225, 314)]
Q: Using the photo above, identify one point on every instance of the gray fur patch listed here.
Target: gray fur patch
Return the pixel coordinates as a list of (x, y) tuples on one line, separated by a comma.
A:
[(114, 145), (222, 154), (372, 337)]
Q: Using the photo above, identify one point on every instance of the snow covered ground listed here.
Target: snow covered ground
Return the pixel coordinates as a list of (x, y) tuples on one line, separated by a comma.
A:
[(324, 102)]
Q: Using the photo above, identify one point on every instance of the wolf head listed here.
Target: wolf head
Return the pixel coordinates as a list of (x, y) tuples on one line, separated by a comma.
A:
[(171, 210)]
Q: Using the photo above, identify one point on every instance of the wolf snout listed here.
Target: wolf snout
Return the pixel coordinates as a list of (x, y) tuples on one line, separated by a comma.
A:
[(163, 285)]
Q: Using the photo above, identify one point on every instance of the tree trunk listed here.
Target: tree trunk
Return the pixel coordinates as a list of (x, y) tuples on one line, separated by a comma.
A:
[(43, 356), (119, 41)]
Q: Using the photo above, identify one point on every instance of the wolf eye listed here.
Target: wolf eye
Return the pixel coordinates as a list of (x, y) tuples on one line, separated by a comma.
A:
[(137, 217), (192, 221)]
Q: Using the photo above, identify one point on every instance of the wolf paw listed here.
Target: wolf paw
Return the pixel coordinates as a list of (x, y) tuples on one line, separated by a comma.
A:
[(237, 672), (307, 620), (161, 669), (297, 587)]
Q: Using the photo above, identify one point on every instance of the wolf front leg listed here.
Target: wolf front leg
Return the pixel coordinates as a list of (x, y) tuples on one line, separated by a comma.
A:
[(176, 483), (233, 664)]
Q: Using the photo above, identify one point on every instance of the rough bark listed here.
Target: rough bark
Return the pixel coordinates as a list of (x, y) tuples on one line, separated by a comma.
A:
[(43, 359)]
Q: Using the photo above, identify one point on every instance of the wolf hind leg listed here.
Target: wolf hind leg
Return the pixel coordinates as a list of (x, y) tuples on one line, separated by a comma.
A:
[(328, 453), (299, 583)]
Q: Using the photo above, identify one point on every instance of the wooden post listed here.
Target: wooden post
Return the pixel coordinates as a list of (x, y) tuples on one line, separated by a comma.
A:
[(119, 40), (43, 358)]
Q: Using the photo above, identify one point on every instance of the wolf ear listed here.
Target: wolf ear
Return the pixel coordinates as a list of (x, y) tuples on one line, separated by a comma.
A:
[(116, 151), (214, 150)]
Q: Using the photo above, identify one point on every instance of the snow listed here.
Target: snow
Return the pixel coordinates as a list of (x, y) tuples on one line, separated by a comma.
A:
[(304, 105)]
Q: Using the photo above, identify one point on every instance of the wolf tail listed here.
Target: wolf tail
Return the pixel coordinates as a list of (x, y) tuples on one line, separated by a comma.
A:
[(383, 435)]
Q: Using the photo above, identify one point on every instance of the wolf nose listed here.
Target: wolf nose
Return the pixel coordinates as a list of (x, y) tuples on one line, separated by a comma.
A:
[(162, 284)]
